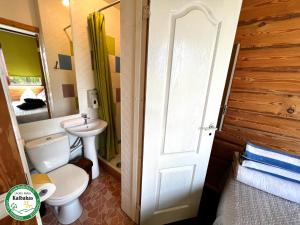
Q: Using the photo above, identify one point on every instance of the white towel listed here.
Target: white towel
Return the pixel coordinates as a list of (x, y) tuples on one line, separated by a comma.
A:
[(275, 171), (282, 188)]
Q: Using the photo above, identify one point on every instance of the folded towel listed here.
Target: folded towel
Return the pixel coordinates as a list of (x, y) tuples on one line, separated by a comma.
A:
[(275, 171), (272, 157), (274, 185)]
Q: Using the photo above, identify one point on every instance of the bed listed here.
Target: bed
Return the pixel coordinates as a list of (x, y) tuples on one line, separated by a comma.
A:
[(26, 116), (241, 204), (19, 93)]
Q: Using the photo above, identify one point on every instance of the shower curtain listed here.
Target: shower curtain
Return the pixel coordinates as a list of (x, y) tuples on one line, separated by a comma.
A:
[(108, 139)]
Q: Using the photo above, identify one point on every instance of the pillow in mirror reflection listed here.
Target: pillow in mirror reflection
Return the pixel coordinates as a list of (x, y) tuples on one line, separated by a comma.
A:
[(28, 93)]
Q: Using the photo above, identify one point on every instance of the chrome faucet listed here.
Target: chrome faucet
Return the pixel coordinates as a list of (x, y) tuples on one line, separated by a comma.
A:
[(85, 117)]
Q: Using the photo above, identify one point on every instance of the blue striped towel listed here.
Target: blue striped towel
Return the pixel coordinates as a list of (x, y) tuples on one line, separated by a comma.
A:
[(272, 170), (272, 157)]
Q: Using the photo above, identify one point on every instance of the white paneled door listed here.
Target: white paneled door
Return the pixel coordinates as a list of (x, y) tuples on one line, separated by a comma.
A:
[(189, 49)]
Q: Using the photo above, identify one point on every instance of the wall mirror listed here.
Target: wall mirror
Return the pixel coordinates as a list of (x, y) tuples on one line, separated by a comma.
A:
[(38, 54)]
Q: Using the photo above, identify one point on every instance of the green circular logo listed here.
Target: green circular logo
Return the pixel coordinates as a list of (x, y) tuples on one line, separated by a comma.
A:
[(22, 202)]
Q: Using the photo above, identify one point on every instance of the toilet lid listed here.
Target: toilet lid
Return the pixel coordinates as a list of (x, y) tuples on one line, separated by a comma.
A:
[(70, 181)]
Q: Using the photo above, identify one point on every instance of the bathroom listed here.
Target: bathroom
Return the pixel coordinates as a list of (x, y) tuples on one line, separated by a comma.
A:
[(62, 77)]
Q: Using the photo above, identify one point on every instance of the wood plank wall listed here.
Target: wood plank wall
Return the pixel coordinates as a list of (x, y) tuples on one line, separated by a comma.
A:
[(11, 170), (264, 103)]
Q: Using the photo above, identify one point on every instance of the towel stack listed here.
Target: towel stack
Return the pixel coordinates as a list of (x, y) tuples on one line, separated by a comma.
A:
[(272, 171)]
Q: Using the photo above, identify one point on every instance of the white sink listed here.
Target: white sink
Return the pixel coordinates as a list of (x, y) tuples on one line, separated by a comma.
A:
[(92, 128), (88, 134)]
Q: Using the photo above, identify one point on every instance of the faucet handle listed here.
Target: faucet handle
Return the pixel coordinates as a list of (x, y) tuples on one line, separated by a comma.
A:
[(84, 115)]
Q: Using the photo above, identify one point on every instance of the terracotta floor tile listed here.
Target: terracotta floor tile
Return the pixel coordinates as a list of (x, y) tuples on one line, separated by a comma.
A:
[(101, 202)]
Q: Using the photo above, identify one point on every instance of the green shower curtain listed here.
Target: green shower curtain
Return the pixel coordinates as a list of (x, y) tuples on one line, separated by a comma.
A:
[(108, 139)]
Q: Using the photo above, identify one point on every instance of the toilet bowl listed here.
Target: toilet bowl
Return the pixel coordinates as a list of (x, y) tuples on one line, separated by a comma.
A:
[(71, 181), (50, 155)]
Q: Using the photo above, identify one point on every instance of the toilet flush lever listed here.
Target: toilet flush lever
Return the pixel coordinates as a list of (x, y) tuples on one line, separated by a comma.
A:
[(210, 127)]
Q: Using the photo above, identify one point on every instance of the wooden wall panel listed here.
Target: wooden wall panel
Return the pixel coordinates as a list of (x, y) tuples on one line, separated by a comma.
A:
[(261, 138), (269, 33), (11, 170), (264, 123), (267, 82), (264, 103), (257, 10), (269, 57)]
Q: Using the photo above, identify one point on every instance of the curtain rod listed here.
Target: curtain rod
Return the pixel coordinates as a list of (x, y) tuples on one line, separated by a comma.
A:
[(105, 7), (110, 5), (67, 27)]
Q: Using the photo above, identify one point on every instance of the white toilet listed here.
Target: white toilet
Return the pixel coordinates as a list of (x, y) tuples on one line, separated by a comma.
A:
[(51, 155)]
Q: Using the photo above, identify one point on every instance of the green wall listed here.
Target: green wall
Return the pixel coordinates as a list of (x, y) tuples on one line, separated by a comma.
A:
[(21, 54)]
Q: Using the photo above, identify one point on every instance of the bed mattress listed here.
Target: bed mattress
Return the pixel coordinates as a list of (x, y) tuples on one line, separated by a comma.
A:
[(241, 204)]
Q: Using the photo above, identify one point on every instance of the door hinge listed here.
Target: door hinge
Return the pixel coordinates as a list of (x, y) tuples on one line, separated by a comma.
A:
[(224, 111), (146, 12), (26, 177)]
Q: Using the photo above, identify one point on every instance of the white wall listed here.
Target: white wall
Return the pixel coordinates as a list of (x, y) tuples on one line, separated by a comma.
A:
[(42, 128), (127, 82), (133, 55), (22, 11), (54, 17)]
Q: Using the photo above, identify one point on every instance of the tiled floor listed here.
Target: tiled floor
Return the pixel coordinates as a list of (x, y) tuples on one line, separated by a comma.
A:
[(101, 202)]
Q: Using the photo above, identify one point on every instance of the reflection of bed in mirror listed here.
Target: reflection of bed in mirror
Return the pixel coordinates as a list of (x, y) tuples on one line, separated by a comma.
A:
[(19, 93), (26, 116), (51, 68)]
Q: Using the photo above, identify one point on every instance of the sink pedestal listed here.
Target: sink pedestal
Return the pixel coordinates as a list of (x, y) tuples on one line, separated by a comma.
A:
[(88, 133), (90, 152)]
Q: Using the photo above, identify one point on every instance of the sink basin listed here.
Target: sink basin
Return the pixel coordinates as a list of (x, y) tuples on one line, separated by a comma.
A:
[(88, 134), (92, 128)]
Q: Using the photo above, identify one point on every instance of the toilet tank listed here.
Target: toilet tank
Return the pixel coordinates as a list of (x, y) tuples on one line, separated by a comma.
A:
[(49, 152)]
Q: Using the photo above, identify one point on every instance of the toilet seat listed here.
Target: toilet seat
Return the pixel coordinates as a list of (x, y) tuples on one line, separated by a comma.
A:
[(71, 181)]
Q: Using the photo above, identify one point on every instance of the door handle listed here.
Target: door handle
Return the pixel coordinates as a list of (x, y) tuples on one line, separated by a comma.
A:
[(210, 127)]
